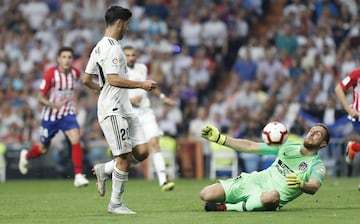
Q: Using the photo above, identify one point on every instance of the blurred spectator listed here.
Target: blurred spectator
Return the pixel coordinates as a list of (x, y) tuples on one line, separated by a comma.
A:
[(339, 30), (257, 49), (133, 39), (324, 76), (269, 69), (30, 131), (68, 9), (35, 11), (247, 92), (182, 60), (218, 106), (196, 124), (351, 6), (199, 79), (322, 37), (156, 7), (295, 69), (328, 7), (13, 136), (214, 34), (153, 26), (287, 39), (8, 117), (191, 32), (348, 64), (92, 10), (244, 67), (295, 6)]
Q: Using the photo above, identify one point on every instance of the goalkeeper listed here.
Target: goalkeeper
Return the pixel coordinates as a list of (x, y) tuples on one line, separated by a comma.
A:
[(297, 169)]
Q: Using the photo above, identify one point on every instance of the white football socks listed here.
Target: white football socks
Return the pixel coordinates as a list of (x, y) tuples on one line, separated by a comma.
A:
[(109, 167), (119, 178), (160, 167)]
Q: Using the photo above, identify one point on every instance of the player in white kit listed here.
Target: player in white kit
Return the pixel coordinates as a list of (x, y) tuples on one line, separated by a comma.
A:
[(120, 125), (141, 106), (141, 103)]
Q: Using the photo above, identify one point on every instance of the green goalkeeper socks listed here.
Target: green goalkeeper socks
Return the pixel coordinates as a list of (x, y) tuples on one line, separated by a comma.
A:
[(252, 203)]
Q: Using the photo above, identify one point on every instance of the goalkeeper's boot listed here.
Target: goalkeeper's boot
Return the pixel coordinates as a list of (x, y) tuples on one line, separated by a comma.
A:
[(168, 186), (23, 162), (80, 180), (119, 209), (349, 153), (214, 206), (101, 177)]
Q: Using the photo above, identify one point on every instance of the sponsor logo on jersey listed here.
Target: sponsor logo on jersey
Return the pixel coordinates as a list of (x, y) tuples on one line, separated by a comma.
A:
[(283, 168), (302, 166), (115, 61)]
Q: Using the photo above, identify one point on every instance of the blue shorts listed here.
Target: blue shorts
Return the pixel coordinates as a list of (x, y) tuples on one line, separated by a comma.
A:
[(356, 125), (49, 129)]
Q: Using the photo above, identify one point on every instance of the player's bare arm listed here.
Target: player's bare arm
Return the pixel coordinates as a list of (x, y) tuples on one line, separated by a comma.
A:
[(44, 101), (88, 81), (311, 186), (116, 80), (164, 98), (342, 98), (135, 100)]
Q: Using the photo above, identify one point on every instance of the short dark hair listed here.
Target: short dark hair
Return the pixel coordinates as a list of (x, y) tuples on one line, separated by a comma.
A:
[(115, 12), (64, 48), (327, 135)]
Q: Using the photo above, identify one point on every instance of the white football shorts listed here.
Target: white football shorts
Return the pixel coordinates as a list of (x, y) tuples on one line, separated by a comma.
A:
[(122, 134), (148, 121)]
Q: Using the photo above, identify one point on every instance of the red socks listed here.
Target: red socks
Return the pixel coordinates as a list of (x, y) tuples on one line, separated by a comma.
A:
[(356, 147), (77, 157), (34, 152)]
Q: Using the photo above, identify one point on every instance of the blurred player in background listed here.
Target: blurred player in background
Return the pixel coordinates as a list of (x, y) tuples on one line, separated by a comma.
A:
[(141, 104), (58, 114), (121, 127), (351, 81), (297, 169)]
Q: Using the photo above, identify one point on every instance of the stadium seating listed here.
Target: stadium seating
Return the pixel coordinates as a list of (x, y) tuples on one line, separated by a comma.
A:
[(224, 161)]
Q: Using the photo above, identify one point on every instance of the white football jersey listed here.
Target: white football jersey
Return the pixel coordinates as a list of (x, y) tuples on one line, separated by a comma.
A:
[(108, 58), (139, 73)]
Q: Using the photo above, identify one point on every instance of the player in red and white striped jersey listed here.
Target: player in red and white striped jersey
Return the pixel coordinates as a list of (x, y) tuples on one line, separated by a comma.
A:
[(56, 94), (351, 81)]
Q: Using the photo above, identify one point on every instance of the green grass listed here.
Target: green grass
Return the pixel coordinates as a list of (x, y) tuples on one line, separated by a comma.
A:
[(57, 201)]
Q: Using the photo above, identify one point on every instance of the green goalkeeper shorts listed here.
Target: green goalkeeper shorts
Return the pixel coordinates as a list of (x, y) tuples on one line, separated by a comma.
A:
[(240, 188)]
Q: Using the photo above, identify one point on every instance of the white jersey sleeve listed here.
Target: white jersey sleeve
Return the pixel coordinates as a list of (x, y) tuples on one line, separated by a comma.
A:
[(91, 67), (113, 61)]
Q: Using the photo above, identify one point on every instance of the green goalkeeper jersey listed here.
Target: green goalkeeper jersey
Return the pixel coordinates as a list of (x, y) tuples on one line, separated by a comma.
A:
[(289, 160)]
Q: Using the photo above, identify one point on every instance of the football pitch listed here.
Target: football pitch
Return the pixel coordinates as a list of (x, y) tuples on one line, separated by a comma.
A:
[(57, 201)]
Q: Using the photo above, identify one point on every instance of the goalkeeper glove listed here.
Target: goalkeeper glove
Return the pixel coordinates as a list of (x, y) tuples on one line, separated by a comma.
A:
[(294, 181), (212, 134)]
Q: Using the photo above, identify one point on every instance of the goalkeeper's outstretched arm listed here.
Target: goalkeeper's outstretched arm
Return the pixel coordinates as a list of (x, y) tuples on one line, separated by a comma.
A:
[(212, 134), (243, 145)]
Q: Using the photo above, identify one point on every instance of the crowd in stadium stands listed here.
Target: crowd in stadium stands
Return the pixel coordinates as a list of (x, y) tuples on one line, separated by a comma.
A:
[(205, 54)]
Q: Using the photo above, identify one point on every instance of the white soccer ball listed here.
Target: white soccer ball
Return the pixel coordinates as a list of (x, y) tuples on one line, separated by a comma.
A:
[(274, 133)]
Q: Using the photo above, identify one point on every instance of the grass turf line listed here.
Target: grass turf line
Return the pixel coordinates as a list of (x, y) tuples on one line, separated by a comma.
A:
[(57, 201)]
